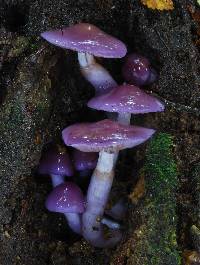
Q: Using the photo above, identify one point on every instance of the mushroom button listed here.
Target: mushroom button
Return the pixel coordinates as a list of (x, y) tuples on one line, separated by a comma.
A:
[(84, 162), (67, 198), (56, 162), (137, 70)]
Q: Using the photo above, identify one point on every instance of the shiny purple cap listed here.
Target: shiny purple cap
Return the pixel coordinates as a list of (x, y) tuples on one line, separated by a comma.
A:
[(84, 160), (66, 198), (56, 161), (88, 38), (136, 69), (126, 99), (106, 134)]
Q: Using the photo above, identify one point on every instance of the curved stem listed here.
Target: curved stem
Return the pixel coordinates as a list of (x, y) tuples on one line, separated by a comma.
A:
[(96, 74), (110, 223), (97, 197), (74, 222), (57, 180)]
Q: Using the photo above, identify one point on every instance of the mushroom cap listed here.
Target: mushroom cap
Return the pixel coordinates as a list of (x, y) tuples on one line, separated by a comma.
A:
[(136, 69), (88, 38), (56, 161), (84, 160), (106, 134), (66, 198), (126, 99)]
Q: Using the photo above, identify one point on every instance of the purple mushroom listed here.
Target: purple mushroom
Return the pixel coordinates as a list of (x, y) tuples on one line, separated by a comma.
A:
[(89, 41), (67, 198), (56, 162), (105, 137), (126, 99), (137, 70), (84, 162)]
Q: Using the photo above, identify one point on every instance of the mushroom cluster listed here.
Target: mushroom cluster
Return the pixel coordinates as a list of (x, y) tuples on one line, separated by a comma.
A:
[(96, 145)]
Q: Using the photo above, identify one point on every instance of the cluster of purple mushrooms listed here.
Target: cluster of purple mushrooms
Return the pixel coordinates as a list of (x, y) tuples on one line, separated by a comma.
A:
[(97, 145)]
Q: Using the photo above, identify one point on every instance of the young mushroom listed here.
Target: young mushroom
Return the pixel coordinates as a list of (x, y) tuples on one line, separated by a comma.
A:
[(126, 100), (105, 137), (67, 198), (84, 162), (137, 70), (89, 41), (56, 163)]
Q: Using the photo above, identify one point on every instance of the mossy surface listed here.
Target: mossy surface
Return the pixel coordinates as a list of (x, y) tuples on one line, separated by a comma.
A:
[(156, 242)]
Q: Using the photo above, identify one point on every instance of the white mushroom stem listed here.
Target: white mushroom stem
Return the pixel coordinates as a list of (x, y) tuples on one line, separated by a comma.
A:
[(97, 197), (96, 74), (124, 118), (110, 223)]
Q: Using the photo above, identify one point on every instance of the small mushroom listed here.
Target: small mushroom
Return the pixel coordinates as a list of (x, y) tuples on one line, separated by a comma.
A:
[(84, 162), (137, 70), (106, 137), (67, 198), (126, 99), (56, 163), (89, 41)]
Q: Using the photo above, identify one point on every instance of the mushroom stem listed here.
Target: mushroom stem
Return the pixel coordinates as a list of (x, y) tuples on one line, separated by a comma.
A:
[(97, 196), (110, 223), (124, 118), (74, 222), (96, 74), (57, 180)]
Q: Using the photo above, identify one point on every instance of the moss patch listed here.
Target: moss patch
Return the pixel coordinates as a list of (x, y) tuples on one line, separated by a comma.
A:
[(155, 239)]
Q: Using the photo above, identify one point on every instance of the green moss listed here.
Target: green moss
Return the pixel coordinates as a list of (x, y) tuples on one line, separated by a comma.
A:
[(157, 244)]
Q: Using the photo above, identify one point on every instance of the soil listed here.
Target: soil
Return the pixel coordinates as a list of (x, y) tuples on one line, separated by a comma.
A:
[(42, 91)]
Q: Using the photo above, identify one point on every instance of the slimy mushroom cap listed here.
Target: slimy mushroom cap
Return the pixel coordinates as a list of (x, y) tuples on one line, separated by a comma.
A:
[(104, 135), (126, 99), (66, 198), (86, 38)]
